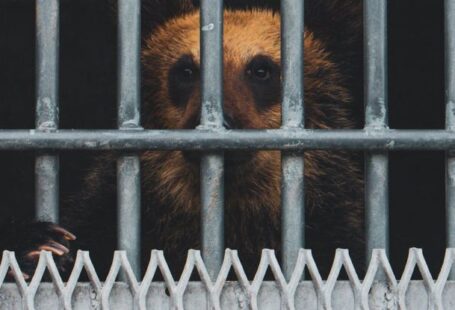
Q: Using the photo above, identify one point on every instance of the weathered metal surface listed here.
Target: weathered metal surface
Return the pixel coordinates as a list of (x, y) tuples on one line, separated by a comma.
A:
[(47, 58), (129, 208), (129, 13), (212, 170), (292, 181), (47, 187), (375, 30), (376, 162), (47, 51), (212, 211), (244, 293), (128, 167), (450, 119), (233, 297), (277, 139)]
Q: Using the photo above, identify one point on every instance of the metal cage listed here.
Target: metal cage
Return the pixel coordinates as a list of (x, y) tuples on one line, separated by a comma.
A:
[(380, 288)]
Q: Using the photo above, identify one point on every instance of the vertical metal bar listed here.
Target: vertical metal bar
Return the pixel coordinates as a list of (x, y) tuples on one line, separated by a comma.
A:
[(376, 163), (212, 170), (450, 120), (128, 166), (129, 207), (47, 49), (292, 196)]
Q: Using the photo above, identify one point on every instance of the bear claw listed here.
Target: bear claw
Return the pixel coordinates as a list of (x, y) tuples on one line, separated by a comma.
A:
[(52, 246), (66, 234)]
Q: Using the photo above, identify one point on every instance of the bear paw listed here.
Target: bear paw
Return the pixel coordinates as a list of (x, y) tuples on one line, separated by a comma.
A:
[(27, 240)]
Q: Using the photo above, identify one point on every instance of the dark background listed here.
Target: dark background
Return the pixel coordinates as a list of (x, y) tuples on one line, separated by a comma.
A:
[(88, 83)]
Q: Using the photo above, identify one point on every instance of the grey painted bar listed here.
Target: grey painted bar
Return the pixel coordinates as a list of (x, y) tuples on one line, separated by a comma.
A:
[(47, 52), (292, 194), (129, 208), (128, 167), (450, 119), (212, 170), (376, 163), (278, 139), (284, 139)]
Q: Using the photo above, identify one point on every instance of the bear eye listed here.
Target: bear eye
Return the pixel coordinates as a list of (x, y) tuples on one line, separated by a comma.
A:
[(184, 70), (183, 76), (260, 69), (262, 75)]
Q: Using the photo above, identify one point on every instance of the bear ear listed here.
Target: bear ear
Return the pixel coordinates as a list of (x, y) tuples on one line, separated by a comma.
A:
[(156, 12)]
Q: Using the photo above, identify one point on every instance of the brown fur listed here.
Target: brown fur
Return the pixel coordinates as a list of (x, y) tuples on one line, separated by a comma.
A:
[(171, 194)]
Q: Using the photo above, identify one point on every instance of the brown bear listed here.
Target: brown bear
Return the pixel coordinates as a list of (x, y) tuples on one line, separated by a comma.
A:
[(252, 100)]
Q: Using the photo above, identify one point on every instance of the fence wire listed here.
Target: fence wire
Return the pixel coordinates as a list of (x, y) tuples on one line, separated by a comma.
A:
[(316, 293)]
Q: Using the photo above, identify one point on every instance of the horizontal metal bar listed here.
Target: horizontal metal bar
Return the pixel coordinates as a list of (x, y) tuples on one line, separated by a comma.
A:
[(276, 139)]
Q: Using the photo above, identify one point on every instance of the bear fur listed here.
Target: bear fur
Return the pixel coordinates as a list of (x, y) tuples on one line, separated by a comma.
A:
[(170, 179)]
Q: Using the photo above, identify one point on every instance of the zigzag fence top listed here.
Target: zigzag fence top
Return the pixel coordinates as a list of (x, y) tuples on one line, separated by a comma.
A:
[(380, 288)]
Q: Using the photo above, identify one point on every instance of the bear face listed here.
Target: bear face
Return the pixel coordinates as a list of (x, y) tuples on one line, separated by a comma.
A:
[(252, 97), (252, 74), (252, 100)]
